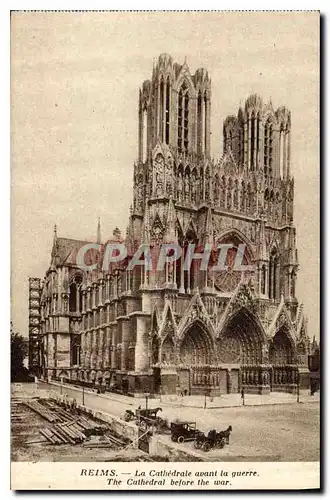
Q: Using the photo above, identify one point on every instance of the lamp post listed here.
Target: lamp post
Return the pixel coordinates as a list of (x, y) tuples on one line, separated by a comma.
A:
[(83, 392), (146, 395), (298, 388), (205, 391)]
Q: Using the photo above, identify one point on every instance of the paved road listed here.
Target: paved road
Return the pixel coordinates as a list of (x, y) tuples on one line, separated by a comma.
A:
[(287, 432)]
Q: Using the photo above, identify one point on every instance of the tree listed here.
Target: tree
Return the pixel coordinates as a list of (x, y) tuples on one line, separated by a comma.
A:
[(19, 350)]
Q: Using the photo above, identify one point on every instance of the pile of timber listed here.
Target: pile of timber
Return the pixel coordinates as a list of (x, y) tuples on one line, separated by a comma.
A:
[(17, 416), (43, 412), (109, 442), (64, 433), (67, 428), (72, 431)]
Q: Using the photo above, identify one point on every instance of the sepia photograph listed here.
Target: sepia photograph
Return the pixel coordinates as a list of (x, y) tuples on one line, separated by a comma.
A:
[(165, 260)]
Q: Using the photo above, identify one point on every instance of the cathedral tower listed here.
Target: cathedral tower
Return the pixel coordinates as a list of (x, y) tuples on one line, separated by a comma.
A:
[(175, 109)]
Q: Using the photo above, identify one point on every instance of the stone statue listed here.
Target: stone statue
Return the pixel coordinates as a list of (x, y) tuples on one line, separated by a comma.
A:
[(194, 189), (186, 187), (180, 186), (159, 174), (159, 184)]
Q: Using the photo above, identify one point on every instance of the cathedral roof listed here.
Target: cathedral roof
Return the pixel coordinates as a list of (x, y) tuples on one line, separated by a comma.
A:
[(66, 250)]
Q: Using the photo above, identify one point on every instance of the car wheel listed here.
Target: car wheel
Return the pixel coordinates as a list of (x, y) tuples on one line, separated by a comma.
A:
[(143, 425), (174, 438), (180, 439), (197, 444)]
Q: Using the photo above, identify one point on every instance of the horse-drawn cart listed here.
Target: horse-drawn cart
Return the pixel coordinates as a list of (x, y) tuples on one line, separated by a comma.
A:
[(213, 439), (146, 418)]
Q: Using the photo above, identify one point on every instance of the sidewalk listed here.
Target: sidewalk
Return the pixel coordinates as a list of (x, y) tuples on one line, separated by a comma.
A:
[(224, 401), (234, 400)]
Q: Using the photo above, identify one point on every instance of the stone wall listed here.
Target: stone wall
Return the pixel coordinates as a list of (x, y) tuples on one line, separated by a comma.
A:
[(174, 452)]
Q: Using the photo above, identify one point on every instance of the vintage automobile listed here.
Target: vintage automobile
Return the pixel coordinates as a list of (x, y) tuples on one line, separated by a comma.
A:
[(129, 415), (184, 431)]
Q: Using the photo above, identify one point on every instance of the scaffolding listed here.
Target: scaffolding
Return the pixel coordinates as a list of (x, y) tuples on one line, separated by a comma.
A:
[(34, 326)]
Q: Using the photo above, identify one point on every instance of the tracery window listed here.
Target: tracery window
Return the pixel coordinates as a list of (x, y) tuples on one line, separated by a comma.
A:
[(167, 112), (75, 294), (161, 92), (268, 149), (183, 119), (263, 279), (273, 275), (199, 123), (252, 143)]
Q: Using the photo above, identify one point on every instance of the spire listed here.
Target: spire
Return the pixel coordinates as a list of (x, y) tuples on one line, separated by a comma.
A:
[(170, 236), (130, 233), (55, 247), (146, 223), (98, 233)]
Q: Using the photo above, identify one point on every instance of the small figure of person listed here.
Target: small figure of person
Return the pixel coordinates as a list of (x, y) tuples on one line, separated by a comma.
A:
[(243, 395)]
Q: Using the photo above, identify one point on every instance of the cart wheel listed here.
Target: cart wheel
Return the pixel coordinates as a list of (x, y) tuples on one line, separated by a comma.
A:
[(174, 438), (180, 439), (221, 443), (206, 446)]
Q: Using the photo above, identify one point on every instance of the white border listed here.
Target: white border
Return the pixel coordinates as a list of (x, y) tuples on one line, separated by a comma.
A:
[(5, 176)]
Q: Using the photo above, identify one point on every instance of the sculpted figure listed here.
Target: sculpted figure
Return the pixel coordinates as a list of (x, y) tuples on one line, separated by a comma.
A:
[(180, 186), (186, 187)]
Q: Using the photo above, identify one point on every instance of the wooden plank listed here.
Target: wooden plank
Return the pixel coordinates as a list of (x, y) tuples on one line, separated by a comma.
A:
[(47, 436)]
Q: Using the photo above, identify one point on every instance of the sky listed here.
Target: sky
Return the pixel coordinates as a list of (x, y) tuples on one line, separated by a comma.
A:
[(75, 79)]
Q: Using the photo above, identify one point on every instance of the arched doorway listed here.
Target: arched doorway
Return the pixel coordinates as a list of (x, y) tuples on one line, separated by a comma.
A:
[(241, 340), (280, 351), (196, 346), (282, 359), (240, 347), (195, 356)]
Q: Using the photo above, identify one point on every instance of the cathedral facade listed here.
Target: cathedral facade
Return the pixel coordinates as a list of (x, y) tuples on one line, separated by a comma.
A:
[(176, 329)]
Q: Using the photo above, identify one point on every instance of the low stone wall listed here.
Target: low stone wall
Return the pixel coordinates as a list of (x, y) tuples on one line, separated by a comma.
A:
[(120, 427), (174, 452)]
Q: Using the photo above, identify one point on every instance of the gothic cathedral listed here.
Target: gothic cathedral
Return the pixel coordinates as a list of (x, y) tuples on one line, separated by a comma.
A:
[(176, 329)]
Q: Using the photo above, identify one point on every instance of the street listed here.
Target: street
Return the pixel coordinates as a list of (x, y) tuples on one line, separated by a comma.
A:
[(279, 432)]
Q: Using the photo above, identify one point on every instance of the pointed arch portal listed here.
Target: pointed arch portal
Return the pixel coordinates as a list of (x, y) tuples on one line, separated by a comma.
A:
[(196, 346), (241, 341), (280, 351)]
